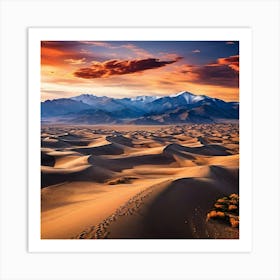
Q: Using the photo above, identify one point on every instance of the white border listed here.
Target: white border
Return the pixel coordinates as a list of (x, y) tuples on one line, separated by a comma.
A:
[(244, 243), (262, 16)]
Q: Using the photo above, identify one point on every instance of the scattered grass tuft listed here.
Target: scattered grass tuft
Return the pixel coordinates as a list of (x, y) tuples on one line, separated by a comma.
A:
[(234, 222), (216, 215), (232, 208), (226, 209)]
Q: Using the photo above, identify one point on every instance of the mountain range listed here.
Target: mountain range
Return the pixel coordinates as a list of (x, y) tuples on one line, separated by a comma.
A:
[(183, 107)]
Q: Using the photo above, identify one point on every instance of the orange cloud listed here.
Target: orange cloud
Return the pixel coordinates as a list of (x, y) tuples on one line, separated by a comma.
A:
[(56, 53), (224, 73), (219, 75), (73, 67), (231, 61), (120, 67), (53, 53)]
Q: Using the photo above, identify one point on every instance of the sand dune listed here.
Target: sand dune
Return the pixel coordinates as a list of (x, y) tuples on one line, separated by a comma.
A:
[(128, 162), (136, 181), (207, 150), (71, 161), (172, 209), (109, 149), (54, 143), (119, 139), (84, 173), (101, 141), (68, 209)]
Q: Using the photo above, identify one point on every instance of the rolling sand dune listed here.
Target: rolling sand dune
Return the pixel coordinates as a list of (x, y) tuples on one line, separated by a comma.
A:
[(137, 181), (51, 176), (68, 209), (102, 141), (174, 209), (109, 149)]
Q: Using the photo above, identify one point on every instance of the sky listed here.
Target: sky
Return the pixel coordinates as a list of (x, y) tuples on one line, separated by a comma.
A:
[(131, 68)]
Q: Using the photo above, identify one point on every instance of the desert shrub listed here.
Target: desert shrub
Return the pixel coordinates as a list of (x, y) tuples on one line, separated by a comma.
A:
[(220, 206), (232, 208), (215, 215), (226, 209), (222, 200), (234, 196), (234, 222)]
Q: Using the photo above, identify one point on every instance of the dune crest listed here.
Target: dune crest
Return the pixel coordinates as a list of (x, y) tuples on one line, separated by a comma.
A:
[(137, 181)]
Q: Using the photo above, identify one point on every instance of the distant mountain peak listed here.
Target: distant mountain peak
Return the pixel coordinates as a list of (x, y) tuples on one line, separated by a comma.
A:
[(89, 99), (189, 97), (181, 93), (182, 107), (145, 98), (84, 95)]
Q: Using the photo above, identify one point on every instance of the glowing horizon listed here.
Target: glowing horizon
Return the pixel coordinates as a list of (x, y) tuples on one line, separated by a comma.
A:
[(121, 69)]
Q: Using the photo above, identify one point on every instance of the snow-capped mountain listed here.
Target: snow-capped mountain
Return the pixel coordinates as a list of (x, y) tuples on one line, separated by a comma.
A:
[(182, 99), (139, 103), (182, 107), (144, 99), (106, 103), (90, 99), (189, 97)]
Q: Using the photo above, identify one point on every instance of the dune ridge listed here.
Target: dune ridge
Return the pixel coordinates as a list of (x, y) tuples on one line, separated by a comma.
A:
[(137, 181)]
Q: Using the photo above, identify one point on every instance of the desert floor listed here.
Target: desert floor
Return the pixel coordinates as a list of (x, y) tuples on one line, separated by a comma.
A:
[(136, 181)]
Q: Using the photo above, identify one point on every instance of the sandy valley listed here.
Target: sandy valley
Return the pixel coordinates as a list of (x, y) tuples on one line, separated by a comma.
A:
[(137, 181)]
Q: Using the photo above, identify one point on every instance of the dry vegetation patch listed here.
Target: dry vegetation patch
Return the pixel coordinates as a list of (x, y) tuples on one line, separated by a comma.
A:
[(226, 210), (122, 180)]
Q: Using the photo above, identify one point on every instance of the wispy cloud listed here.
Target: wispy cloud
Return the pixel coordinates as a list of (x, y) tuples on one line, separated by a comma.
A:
[(75, 61), (223, 72), (231, 61), (128, 46)]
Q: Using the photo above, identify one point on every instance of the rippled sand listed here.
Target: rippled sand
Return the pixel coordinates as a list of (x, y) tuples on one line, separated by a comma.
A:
[(136, 181)]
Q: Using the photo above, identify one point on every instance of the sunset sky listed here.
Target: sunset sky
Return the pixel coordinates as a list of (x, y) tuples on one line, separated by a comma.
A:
[(131, 68)]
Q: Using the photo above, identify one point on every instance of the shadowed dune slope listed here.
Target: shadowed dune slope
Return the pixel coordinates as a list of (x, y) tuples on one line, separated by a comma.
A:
[(176, 209), (136, 181), (207, 150), (109, 149), (121, 163), (87, 173)]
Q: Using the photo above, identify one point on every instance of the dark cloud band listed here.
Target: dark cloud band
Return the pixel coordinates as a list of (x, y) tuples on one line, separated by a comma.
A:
[(224, 72), (120, 67)]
